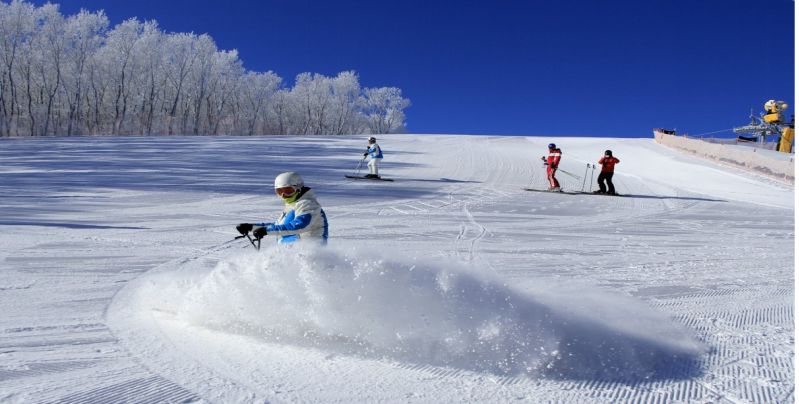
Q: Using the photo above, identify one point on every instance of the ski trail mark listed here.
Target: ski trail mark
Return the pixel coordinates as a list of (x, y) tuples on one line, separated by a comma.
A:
[(151, 389), (472, 242)]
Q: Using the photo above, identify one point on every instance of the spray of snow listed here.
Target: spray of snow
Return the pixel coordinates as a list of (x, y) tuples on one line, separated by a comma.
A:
[(349, 301)]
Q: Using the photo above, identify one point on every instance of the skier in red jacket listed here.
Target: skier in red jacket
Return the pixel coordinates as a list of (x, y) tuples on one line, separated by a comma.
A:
[(608, 163), (552, 161)]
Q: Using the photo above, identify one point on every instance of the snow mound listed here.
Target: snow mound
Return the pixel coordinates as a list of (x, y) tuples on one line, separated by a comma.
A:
[(353, 302)]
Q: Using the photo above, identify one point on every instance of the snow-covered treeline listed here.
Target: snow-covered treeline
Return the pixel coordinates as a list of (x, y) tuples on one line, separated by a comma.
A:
[(74, 75)]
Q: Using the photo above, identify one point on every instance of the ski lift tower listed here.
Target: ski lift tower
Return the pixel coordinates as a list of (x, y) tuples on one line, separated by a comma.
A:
[(771, 123)]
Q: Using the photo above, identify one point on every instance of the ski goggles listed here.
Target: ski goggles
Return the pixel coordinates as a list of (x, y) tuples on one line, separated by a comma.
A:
[(284, 192)]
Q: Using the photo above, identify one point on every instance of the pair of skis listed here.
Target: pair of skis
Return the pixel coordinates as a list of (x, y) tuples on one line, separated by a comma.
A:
[(570, 192), (357, 175), (363, 177)]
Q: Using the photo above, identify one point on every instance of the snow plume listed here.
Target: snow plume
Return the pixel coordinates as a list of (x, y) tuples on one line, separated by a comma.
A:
[(353, 302)]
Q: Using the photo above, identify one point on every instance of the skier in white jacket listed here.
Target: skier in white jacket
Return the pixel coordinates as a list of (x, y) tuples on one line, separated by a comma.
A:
[(376, 155), (302, 219)]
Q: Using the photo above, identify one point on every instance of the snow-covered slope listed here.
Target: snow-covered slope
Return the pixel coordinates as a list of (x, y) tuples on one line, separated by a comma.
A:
[(121, 282)]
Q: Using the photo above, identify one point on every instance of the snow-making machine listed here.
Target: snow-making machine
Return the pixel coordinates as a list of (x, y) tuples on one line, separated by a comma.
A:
[(772, 122)]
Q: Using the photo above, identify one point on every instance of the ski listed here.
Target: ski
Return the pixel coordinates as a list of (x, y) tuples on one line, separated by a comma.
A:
[(551, 192), (591, 193), (569, 192), (368, 178)]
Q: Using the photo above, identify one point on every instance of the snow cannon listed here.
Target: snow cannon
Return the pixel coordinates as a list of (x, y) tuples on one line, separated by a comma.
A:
[(770, 123)]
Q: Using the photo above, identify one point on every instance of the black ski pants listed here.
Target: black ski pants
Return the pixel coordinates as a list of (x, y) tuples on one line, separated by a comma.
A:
[(606, 177)]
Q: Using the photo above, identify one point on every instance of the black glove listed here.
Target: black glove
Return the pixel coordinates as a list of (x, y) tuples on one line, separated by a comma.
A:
[(365, 154), (244, 228), (259, 232)]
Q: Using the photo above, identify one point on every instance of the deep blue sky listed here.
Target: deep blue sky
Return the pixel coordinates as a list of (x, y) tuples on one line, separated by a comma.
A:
[(590, 68)]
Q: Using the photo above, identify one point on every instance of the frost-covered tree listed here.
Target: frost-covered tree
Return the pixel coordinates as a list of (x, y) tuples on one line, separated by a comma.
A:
[(224, 86), (51, 45), (83, 34), (152, 81), (178, 64), (76, 75), (384, 109), (120, 58), (258, 104), (345, 102), (17, 27)]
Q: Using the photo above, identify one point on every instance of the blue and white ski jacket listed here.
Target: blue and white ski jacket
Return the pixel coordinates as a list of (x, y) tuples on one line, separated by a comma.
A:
[(303, 219), (375, 152)]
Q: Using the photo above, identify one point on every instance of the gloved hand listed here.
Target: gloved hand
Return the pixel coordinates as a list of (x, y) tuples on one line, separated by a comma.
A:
[(244, 228), (554, 167), (259, 232), (546, 164), (365, 154)]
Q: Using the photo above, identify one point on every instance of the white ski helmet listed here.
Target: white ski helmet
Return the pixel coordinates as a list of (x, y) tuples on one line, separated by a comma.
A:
[(289, 179), (372, 139)]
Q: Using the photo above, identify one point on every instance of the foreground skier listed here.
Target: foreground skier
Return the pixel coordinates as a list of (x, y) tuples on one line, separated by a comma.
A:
[(303, 217)]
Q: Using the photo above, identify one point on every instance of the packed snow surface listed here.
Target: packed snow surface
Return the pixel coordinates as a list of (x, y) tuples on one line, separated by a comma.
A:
[(122, 282)]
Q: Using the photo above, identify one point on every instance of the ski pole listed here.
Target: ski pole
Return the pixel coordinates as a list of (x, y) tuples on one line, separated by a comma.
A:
[(591, 183), (358, 169), (582, 188), (257, 247), (569, 174)]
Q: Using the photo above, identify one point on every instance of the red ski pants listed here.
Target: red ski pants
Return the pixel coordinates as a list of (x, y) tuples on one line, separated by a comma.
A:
[(553, 182)]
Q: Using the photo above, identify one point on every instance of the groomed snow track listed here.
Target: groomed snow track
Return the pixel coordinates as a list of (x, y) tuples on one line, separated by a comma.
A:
[(710, 248)]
